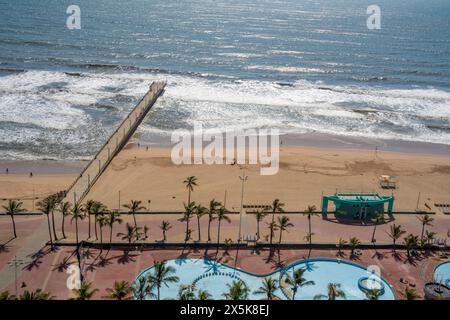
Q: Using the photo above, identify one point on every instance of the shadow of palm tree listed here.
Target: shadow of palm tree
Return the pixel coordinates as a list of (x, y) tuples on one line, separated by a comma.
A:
[(126, 257), (63, 265), (103, 261)]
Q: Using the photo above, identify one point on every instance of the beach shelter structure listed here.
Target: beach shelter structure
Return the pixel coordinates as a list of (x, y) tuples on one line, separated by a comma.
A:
[(358, 206)]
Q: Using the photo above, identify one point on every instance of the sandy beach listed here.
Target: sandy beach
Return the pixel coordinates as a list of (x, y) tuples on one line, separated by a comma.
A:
[(305, 174)]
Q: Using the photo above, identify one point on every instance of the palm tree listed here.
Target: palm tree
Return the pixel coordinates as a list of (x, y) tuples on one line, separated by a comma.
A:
[(429, 236), (334, 292), (395, 232), (238, 290), (186, 293), (373, 294), (199, 212), (133, 207), (189, 210), (11, 209), (53, 200), (283, 225), (377, 218), (272, 228), (410, 242), (45, 207), (341, 244), (297, 281), (426, 220), (203, 295), (77, 214), (277, 206), (227, 242), (102, 221), (97, 209), (259, 216), (113, 217), (354, 243), (213, 205), (165, 226), (64, 208), (130, 234), (410, 294), (84, 292), (162, 275), (309, 212), (36, 295), (268, 288), (5, 295), (120, 290), (221, 215), (141, 289), (190, 183), (90, 204)]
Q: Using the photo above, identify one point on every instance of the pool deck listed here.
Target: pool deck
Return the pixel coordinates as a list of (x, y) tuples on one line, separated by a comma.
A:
[(47, 270)]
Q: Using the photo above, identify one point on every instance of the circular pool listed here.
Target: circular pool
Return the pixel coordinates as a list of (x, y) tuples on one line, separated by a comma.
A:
[(214, 277), (442, 273)]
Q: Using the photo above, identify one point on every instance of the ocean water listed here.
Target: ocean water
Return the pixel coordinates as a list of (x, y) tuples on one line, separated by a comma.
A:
[(300, 66)]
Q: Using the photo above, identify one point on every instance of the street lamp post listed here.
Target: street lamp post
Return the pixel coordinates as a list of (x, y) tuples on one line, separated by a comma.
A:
[(15, 263), (243, 179)]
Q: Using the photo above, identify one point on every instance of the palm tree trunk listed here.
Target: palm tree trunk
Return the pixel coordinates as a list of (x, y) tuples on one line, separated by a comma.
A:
[(209, 229), (199, 233), (134, 219), (158, 293), (271, 230), (310, 233), (257, 229), (110, 233), (373, 234), (14, 225), (89, 225), (95, 227), (423, 231), (218, 233), (53, 225), (49, 231), (187, 230), (281, 232), (76, 229), (101, 235), (164, 235), (62, 227)]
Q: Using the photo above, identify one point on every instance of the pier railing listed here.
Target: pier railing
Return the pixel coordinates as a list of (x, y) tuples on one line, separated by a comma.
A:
[(81, 186)]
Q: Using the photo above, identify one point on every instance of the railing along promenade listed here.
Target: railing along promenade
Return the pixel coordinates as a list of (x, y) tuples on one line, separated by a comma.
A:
[(81, 186)]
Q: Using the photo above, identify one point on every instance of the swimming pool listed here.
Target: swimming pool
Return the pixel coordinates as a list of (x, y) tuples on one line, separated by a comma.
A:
[(442, 273), (213, 276)]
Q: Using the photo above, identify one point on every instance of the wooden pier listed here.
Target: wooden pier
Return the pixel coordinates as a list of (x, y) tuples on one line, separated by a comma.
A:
[(81, 186)]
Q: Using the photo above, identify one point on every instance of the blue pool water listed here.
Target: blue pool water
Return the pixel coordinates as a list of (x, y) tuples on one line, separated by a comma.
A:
[(442, 273), (214, 277)]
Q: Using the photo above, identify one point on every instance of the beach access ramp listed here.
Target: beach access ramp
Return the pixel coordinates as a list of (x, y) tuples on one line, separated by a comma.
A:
[(84, 182)]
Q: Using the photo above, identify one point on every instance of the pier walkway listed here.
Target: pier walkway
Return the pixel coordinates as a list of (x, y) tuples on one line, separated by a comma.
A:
[(81, 186)]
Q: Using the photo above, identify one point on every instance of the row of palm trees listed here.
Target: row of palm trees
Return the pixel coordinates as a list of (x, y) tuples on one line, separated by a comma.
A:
[(215, 211)]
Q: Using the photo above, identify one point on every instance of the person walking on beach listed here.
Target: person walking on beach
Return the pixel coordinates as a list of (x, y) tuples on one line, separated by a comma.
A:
[(7, 170), (31, 174)]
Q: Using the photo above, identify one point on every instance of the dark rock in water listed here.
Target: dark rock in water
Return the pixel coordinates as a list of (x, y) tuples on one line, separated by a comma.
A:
[(436, 291)]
